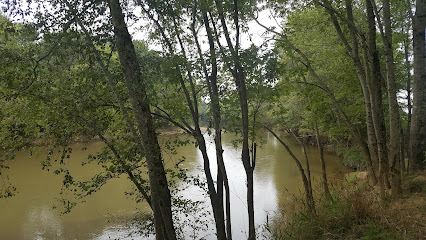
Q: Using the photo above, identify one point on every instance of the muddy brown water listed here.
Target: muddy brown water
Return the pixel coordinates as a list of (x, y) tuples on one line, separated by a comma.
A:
[(108, 214)]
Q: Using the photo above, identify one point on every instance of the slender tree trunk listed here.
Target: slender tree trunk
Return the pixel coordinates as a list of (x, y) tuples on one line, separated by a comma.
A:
[(408, 88), (211, 80), (217, 210), (311, 203), (394, 118), (160, 194), (245, 155), (364, 78), (308, 170), (239, 78), (372, 137), (308, 196), (191, 99), (418, 124), (217, 119), (376, 99), (323, 169)]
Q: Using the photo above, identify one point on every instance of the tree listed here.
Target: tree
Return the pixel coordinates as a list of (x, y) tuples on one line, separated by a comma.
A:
[(394, 118), (236, 68), (160, 194), (418, 126), (169, 25)]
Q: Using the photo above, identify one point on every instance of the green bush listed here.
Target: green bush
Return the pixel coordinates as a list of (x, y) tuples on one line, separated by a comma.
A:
[(352, 156)]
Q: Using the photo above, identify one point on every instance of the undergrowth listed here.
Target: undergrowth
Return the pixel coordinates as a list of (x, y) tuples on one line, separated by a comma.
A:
[(355, 212)]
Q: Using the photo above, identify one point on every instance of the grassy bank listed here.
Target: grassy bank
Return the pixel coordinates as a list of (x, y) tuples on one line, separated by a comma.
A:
[(356, 213)]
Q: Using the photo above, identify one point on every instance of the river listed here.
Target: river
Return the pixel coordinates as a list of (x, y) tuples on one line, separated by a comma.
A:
[(108, 214)]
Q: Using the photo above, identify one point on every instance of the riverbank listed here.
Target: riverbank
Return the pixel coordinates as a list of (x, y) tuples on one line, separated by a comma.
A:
[(357, 213), (86, 139), (175, 130)]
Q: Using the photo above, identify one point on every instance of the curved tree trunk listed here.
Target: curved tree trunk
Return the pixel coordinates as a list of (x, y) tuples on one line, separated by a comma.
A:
[(311, 203), (308, 195)]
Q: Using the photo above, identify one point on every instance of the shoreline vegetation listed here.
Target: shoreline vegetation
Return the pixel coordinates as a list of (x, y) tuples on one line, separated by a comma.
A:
[(85, 139), (356, 212)]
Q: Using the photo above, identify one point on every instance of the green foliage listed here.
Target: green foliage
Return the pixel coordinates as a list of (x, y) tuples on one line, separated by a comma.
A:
[(352, 156), (262, 73), (302, 101)]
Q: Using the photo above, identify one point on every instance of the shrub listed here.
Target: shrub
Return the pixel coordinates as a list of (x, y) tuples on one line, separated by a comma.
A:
[(352, 214)]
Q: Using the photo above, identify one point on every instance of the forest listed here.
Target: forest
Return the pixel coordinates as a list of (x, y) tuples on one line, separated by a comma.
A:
[(342, 77)]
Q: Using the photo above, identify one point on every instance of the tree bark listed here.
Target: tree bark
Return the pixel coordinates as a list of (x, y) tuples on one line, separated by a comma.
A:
[(394, 119), (160, 193), (376, 99), (409, 105), (418, 124)]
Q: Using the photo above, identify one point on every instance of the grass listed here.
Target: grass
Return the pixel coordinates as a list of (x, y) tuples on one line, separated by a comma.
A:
[(356, 213)]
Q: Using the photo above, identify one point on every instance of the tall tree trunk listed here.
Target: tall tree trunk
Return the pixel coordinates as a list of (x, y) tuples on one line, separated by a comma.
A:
[(217, 209), (394, 119), (217, 119), (211, 80), (135, 179), (323, 169), (191, 99), (239, 77), (418, 124), (245, 154), (216, 195), (160, 194), (364, 78), (215, 107), (376, 99), (408, 89)]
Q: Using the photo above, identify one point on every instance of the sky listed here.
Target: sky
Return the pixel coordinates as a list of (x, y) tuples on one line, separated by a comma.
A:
[(256, 32)]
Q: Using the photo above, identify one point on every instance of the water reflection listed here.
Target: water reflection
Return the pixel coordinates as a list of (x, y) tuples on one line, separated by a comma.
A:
[(42, 223), (107, 214)]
